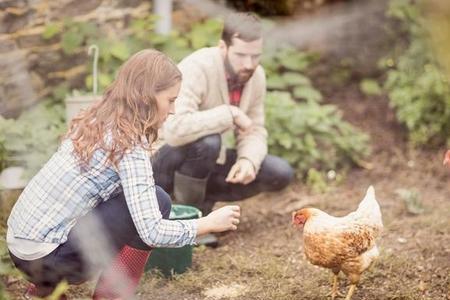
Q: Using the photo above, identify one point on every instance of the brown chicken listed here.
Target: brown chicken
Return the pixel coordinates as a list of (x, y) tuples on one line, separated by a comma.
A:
[(447, 158), (344, 244)]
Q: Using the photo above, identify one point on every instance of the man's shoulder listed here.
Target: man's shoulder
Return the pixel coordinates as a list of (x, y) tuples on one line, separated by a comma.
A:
[(260, 73), (259, 76), (201, 57)]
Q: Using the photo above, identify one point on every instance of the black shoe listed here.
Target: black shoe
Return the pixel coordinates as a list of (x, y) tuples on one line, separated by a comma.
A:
[(209, 240)]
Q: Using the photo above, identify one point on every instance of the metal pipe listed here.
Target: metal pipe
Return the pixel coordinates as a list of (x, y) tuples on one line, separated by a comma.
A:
[(163, 9)]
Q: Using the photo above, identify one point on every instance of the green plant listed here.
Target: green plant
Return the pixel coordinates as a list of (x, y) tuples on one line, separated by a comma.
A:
[(115, 50), (412, 200), (315, 180), (72, 34), (416, 84), (33, 137), (285, 68), (310, 135), (370, 87)]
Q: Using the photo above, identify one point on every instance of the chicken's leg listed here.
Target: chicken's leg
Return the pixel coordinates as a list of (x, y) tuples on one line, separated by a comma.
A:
[(334, 290), (351, 290)]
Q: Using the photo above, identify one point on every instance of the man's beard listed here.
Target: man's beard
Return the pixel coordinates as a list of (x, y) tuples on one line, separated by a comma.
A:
[(240, 77)]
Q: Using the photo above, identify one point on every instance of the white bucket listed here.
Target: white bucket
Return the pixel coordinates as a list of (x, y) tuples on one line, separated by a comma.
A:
[(75, 104)]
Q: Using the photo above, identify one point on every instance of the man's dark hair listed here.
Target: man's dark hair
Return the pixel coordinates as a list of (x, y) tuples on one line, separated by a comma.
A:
[(243, 25)]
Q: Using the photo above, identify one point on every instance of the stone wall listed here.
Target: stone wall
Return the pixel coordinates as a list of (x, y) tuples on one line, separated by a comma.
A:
[(31, 65)]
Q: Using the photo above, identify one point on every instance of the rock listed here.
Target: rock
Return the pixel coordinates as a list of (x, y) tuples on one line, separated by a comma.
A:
[(11, 22), (12, 178), (74, 8), (17, 92)]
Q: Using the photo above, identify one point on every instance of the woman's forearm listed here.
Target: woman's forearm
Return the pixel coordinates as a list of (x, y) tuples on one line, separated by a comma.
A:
[(203, 226)]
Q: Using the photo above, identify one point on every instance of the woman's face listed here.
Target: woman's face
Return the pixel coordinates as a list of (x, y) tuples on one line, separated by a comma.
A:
[(165, 101)]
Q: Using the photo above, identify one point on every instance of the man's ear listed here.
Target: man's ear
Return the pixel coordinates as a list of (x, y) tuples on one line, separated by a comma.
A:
[(223, 48)]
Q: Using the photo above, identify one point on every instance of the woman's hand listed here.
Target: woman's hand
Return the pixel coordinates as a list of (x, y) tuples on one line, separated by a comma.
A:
[(222, 219)]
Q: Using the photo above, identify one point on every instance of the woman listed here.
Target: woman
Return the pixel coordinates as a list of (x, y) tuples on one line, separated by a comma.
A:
[(95, 199)]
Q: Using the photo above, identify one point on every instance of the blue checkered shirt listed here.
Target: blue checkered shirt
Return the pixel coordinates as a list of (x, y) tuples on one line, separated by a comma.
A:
[(60, 193)]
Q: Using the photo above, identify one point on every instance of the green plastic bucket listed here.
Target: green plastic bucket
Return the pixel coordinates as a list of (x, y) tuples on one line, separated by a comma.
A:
[(174, 260)]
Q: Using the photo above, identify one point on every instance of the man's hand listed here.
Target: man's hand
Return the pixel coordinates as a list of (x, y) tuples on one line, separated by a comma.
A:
[(242, 171), (240, 119)]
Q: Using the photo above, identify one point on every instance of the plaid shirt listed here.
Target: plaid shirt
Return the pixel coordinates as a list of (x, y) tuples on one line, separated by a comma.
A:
[(60, 193)]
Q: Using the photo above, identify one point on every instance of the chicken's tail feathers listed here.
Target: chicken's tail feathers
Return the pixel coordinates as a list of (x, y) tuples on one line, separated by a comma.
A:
[(370, 192), (370, 195), (369, 206)]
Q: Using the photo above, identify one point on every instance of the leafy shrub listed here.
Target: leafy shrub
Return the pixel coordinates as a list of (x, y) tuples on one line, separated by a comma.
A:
[(31, 139), (417, 87), (116, 50), (310, 135), (285, 68)]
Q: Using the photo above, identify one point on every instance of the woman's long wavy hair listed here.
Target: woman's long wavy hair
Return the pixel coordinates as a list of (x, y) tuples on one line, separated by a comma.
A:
[(128, 110)]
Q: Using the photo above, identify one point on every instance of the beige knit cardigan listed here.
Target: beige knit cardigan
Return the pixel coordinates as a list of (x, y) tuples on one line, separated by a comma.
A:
[(202, 107)]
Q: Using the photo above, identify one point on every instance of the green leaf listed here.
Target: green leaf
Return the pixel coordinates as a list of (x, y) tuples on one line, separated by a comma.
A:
[(308, 93), (105, 79), (60, 91), (412, 201), (276, 82), (198, 41), (51, 30), (292, 59), (370, 87), (70, 41), (292, 79), (120, 51), (87, 29)]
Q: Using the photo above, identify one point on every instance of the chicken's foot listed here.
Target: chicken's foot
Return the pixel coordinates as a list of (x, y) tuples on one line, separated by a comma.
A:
[(351, 290), (334, 291)]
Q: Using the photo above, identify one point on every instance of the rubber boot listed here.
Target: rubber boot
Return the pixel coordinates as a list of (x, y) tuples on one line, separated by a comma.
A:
[(189, 190), (121, 279)]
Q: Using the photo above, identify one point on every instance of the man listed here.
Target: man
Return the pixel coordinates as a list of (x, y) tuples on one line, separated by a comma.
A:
[(223, 90)]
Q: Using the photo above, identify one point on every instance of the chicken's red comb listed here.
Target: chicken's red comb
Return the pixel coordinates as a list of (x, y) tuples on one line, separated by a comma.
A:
[(447, 158)]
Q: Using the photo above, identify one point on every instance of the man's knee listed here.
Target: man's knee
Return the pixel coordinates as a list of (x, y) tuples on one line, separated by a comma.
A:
[(209, 146), (164, 202), (278, 173)]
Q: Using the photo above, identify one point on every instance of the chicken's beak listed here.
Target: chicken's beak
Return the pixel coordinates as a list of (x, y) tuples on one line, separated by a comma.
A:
[(293, 218)]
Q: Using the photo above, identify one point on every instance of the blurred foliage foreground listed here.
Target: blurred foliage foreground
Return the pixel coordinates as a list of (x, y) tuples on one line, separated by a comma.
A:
[(309, 135)]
